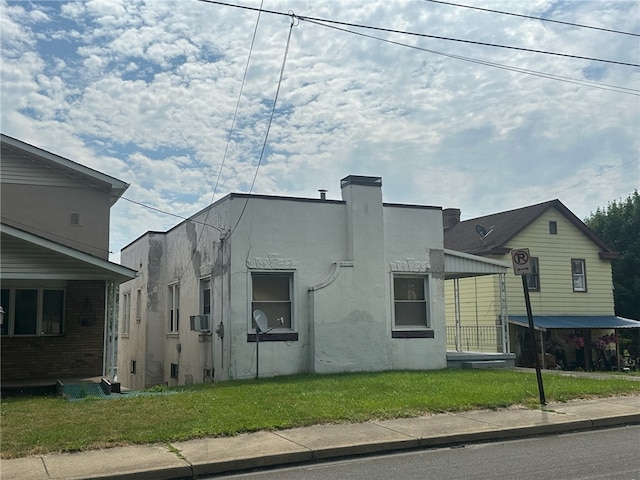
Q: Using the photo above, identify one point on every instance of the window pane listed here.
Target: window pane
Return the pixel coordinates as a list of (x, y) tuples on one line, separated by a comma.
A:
[(576, 266), (126, 312), (410, 305), (205, 293), (532, 278), (26, 315), (578, 274), (408, 288), (4, 301), (52, 311), (174, 304), (271, 294), (411, 314), (270, 287)]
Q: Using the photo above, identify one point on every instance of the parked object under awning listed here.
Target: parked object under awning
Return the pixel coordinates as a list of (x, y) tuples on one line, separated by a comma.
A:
[(575, 322)]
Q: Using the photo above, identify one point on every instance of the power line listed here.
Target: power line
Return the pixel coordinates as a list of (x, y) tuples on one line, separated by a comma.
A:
[(164, 212), (226, 149), (49, 233), (535, 18), (613, 88), (424, 35), (266, 136), (596, 176)]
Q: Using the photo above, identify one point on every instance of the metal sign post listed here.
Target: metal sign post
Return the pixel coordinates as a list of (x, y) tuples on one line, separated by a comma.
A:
[(522, 266)]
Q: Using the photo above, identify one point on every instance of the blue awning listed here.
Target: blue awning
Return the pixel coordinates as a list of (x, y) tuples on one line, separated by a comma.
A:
[(543, 322)]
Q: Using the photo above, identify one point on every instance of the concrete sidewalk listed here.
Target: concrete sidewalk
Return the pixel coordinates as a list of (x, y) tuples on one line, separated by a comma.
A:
[(248, 451)]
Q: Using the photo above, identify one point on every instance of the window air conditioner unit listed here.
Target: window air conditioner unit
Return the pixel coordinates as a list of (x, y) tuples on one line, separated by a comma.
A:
[(200, 323)]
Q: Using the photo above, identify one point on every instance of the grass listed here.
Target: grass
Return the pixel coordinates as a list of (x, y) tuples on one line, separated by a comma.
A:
[(46, 424)]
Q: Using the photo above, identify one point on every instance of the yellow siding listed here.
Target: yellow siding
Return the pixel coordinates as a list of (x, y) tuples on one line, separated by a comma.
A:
[(479, 301), (554, 252)]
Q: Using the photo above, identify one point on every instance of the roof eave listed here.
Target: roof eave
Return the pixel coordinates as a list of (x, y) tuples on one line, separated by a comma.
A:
[(120, 272)]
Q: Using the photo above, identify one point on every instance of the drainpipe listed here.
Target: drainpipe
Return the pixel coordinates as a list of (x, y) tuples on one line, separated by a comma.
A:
[(220, 328)]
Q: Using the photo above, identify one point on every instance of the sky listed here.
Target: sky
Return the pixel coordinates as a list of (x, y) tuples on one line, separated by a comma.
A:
[(188, 101)]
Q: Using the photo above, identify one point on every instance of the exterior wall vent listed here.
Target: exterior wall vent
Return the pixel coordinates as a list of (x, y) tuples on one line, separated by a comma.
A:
[(74, 219)]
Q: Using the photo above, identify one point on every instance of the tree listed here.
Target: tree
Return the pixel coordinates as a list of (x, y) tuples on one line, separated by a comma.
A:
[(619, 226)]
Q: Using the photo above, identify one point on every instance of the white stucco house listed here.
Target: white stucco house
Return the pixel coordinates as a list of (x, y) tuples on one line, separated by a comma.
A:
[(346, 285)]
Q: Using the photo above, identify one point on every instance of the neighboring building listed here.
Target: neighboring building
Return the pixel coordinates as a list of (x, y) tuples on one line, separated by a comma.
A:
[(570, 288), (54, 265), (346, 285)]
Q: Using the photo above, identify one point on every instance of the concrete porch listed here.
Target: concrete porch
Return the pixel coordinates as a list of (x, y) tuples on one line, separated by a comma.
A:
[(480, 360)]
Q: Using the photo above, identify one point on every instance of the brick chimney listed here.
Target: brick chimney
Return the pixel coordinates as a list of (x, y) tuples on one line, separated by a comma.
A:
[(450, 217)]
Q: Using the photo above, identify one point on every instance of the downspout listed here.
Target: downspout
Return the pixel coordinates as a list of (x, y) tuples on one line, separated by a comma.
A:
[(214, 330), (220, 330)]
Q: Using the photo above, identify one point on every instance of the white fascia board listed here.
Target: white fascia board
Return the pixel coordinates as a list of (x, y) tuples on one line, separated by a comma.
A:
[(477, 258)]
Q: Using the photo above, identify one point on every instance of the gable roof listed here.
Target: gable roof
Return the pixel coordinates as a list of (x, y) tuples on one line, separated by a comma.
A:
[(65, 167), (502, 227)]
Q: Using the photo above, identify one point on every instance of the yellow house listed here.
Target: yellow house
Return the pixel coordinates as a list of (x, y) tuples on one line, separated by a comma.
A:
[(570, 286)]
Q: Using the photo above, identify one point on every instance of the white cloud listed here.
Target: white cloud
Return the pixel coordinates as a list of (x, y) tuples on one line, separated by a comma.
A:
[(146, 91)]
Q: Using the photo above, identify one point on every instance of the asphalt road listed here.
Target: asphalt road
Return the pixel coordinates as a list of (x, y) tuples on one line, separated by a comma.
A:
[(601, 454)]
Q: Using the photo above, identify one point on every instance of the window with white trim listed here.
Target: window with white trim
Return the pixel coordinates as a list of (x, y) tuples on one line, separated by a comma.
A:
[(272, 293), (579, 275), (205, 296), (174, 308), (533, 278), (410, 301), (126, 312), (33, 311)]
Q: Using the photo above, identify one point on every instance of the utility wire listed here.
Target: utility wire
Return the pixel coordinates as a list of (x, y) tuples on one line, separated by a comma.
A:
[(226, 149), (47, 233), (273, 109), (596, 176), (603, 86), (424, 35), (164, 212), (534, 18)]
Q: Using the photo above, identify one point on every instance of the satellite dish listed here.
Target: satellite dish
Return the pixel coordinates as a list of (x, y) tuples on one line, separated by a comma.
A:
[(261, 320), (482, 231)]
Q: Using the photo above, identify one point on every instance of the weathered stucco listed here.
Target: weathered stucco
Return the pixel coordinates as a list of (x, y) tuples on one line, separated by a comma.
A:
[(342, 256)]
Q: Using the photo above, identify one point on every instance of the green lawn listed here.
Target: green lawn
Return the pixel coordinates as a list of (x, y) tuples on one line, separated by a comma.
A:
[(37, 425)]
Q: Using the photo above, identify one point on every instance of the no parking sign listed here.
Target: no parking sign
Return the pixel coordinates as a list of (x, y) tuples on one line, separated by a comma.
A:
[(521, 261)]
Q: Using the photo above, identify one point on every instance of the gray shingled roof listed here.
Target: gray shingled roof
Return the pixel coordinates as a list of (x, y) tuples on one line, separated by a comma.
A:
[(504, 226)]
